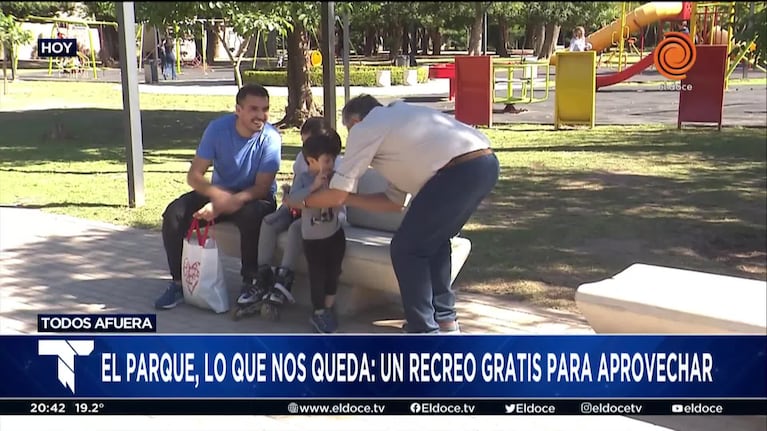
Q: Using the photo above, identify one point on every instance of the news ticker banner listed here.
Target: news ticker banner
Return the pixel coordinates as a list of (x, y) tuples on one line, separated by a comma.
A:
[(634, 407), (382, 366)]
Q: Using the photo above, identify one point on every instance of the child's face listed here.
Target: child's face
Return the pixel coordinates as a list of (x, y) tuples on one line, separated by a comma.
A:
[(324, 164)]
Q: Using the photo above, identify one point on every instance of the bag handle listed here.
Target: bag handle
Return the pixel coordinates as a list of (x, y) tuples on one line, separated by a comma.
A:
[(201, 237)]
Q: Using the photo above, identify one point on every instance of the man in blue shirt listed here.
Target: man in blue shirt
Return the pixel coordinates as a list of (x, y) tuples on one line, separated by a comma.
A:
[(245, 152)]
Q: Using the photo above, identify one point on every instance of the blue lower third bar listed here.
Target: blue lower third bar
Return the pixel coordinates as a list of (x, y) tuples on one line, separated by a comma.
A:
[(128, 323)]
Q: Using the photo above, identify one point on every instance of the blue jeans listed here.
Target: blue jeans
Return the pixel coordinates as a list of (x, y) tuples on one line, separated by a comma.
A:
[(420, 249)]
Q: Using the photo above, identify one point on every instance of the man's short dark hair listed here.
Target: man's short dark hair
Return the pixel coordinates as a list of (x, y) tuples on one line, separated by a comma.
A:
[(360, 106), (251, 90), (317, 145)]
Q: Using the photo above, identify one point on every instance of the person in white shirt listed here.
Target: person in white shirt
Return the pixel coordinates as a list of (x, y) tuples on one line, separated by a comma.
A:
[(446, 166), (579, 42)]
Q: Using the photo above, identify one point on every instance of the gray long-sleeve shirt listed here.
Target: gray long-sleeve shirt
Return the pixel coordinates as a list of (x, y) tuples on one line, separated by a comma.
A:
[(316, 223)]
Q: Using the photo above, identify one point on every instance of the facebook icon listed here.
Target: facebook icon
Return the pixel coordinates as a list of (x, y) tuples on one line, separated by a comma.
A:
[(57, 48)]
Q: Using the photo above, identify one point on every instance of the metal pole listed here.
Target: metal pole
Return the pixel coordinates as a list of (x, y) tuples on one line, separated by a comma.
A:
[(347, 90), (328, 17), (132, 114), (484, 34)]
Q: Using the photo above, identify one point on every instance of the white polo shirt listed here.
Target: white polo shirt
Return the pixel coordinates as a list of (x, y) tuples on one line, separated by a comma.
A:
[(407, 144)]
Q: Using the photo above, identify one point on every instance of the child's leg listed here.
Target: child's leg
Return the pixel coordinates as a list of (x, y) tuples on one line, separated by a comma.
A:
[(271, 227), (335, 251), (294, 246), (315, 262)]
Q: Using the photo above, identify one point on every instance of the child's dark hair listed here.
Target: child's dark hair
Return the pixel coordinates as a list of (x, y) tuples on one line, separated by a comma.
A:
[(315, 126), (317, 145)]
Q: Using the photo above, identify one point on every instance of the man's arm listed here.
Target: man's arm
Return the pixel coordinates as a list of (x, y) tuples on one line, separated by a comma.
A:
[(376, 202), (361, 146), (195, 177), (260, 190), (299, 191)]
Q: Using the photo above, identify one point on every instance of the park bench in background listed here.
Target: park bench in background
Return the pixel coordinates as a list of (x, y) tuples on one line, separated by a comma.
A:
[(367, 278), (646, 299)]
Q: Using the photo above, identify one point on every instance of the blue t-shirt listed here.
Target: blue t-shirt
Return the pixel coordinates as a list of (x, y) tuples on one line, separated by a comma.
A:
[(237, 160)]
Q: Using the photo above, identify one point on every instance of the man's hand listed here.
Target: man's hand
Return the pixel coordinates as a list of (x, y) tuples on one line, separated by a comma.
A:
[(206, 213)]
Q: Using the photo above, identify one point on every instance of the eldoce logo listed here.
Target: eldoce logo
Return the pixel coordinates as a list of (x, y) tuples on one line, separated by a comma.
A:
[(66, 350), (674, 56)]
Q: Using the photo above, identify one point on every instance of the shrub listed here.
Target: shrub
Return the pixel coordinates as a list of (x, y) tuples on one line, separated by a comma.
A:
[(359, 76)]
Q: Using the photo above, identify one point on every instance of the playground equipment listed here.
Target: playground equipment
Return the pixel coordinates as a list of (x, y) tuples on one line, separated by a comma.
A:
[(522, 75), (575, 98), (528, 78), (72, 25), (710, 24)]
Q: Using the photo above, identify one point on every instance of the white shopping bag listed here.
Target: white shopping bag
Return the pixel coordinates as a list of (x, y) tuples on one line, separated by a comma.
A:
[(202, 275)]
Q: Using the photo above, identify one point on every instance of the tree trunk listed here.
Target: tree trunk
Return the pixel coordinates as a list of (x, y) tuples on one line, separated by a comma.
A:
[(475, 37), (211, 42), (110, 48), (11, 55), (539, 34), (436, 41), (550, 40), (503, 37), (300, 100), (371, 40), (424, 41), (532, 29), (405, 39), (395, 41), (413, 45)]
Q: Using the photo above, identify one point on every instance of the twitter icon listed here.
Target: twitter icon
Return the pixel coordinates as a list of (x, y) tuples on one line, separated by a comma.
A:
[(511, 408)]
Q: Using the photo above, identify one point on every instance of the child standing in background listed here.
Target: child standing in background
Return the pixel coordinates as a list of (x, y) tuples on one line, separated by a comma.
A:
[(578, 42), (323, 235)]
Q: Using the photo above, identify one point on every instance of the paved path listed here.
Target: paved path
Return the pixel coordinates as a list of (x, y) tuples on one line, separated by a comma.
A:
[(744, 105), (53, 263)]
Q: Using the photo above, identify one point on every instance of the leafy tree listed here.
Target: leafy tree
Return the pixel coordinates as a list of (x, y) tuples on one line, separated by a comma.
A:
[(475, 34), (24, 9), (11, 36), (507, 14)]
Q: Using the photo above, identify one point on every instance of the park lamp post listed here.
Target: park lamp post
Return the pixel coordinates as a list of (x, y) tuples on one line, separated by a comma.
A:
[(131, 113), (328, 26)]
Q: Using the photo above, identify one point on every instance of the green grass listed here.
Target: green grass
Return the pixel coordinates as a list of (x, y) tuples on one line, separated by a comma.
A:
[(570, 207)]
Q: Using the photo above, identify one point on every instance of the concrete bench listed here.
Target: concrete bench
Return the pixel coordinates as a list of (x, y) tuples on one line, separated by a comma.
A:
[(653, 299), (367, 278)]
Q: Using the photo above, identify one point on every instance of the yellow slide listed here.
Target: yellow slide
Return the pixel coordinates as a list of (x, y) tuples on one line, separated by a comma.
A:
[(640, 17)]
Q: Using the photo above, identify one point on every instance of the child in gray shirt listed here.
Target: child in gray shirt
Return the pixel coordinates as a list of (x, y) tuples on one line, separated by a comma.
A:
[(273, 287), (323, 235)]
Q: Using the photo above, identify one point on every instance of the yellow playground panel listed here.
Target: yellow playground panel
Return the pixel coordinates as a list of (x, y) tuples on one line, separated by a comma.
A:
[(575, 98), (522, 75)]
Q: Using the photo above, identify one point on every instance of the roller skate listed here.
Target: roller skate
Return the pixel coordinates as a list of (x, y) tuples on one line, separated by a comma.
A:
[(253, 293), (279, 295)]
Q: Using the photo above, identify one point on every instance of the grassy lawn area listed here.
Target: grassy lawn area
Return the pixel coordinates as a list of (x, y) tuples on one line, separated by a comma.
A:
[(571, 206)]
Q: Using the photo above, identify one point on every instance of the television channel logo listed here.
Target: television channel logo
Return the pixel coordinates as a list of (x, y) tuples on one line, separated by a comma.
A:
[(674, 56)]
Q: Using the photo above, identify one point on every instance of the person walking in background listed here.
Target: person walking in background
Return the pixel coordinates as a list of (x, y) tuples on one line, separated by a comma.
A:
[(170, 60)]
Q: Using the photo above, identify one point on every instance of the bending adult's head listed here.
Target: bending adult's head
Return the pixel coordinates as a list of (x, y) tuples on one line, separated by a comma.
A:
[(357, 109)]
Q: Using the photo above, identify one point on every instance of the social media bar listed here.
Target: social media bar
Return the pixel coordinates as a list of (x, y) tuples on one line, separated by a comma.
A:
[(379, 407)]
